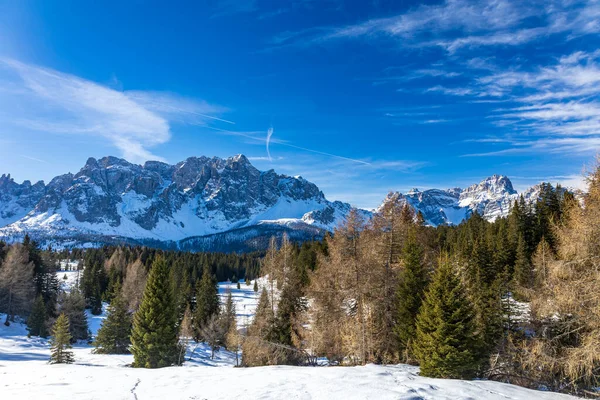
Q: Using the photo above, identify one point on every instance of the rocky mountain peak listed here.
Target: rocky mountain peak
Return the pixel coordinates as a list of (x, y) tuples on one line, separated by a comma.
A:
[(199, 196)]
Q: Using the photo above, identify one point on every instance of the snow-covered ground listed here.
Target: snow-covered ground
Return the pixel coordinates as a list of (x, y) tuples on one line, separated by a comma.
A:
[(26, 374)]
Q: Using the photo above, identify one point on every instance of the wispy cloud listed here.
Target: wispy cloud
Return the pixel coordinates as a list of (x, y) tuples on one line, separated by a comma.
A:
[(55, 102), (458, 91), (457, 24)]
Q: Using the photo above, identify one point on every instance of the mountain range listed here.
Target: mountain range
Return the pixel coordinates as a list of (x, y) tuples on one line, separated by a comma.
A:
[(206, 204)]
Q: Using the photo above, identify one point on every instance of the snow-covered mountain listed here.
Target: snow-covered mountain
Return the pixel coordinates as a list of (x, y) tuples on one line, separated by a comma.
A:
[(16, 200), (207, 204), (492, 198), (113, 200)]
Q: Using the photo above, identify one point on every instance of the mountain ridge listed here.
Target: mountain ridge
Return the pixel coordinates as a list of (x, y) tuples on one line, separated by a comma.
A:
[(201, 201)]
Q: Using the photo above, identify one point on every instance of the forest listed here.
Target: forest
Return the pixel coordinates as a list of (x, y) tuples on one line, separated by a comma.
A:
[(514, 300)]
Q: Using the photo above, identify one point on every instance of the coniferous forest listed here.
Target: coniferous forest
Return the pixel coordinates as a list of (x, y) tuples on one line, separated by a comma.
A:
[(514, 300)]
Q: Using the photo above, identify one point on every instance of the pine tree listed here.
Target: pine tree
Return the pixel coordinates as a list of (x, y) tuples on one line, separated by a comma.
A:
[(60, 343), (154, 341), (445, 343), (207, 301), (255, 286), (409, 295), (37, 320), (114, 334)]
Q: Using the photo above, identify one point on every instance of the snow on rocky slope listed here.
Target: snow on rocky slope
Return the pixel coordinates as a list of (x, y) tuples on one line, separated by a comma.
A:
[(205, 204), (492, 198), (112, 198)]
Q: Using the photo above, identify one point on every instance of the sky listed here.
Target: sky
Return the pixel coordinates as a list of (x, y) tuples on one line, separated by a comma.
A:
[(359, 97)]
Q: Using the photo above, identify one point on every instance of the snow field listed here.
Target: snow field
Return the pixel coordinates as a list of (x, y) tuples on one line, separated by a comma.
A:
[(26, 374)]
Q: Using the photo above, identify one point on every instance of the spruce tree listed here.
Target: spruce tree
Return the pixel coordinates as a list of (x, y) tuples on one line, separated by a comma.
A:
[(60, 343), (229, 311), (207, 301), (37, 320), (154, 341), (409, 294), (523, 273), (255, 286), (73, 306), (114, 334), (445, 343)]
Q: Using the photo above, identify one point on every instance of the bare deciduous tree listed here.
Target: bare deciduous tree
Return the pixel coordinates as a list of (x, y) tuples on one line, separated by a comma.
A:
[(16, 283)]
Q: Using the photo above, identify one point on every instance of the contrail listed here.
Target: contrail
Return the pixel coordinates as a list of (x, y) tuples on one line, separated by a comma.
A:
[(269, 134), (281, 143), (323, 153)]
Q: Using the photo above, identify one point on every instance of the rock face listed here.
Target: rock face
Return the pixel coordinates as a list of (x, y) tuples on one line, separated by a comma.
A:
[(16, 200), (207, 204), (492, 198), (158, 202)]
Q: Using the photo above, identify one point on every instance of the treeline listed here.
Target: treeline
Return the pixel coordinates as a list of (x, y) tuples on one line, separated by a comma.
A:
[(30, 287), (104, 268), (514, 300)]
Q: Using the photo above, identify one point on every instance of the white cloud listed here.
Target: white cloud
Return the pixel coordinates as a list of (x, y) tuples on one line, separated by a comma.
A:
[(55, 102), (451, 91), (457, 24)]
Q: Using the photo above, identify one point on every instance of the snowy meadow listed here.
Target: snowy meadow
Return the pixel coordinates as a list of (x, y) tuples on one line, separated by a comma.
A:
[(26, 374)]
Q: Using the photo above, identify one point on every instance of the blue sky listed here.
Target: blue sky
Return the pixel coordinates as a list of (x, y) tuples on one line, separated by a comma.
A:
[(358, 97)]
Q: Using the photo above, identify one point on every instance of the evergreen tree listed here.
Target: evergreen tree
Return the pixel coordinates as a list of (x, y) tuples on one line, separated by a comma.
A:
[(445, 342), (95, 281), (523, 273), (72, 304), (154, 341), (207, 301), (37, 320), (409, 294), (60, 343), (114, 334), (255, 286), (291, 304), (229, 311)]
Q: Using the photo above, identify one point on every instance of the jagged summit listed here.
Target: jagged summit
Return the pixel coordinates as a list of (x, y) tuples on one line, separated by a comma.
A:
[(200, 196), (205, 203), (492, 198)]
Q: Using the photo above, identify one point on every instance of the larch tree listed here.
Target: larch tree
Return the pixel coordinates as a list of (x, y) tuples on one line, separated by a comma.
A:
[(565, 354), (16, 283), (134, 284)]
